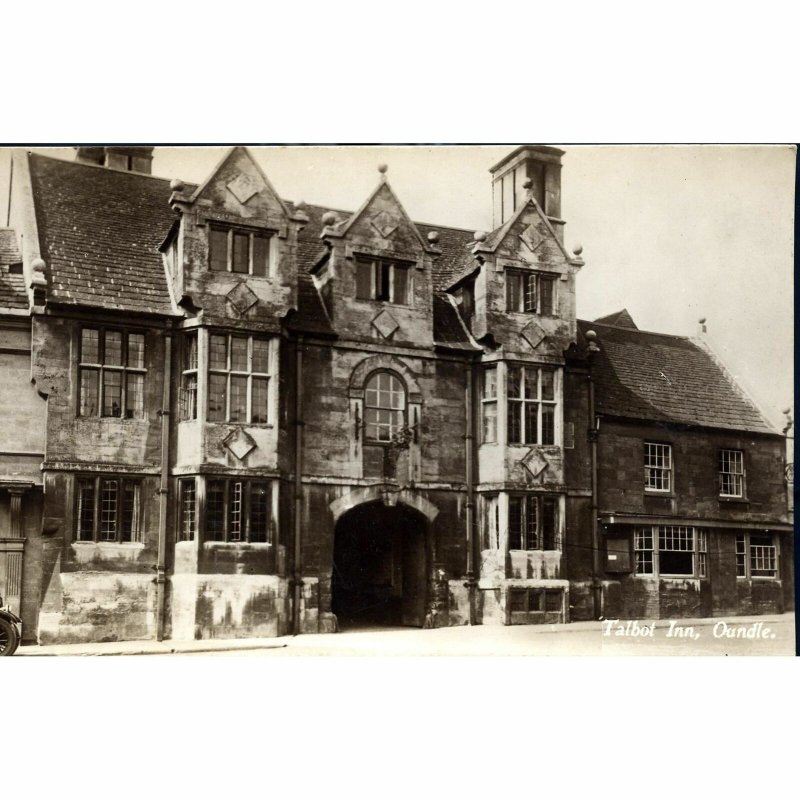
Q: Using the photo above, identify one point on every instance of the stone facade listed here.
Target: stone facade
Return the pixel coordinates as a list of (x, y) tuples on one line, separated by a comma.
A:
[(251, 418)]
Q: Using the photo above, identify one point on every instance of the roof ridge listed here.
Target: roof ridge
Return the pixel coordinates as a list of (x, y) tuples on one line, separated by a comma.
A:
[(295, 203), (34, 154), (635, 330)]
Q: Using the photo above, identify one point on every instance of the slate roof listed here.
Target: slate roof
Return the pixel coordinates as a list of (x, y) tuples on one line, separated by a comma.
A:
[(662, 378), (99, 232), (12, 285)]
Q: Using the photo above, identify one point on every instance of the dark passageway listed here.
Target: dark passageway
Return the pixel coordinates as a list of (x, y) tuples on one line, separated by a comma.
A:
[(379, 567)]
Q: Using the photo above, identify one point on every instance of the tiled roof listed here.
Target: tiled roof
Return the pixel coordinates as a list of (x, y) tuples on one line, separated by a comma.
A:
[(621, 319), (663, 378), (99, 232), (100, 229), (12, 285)]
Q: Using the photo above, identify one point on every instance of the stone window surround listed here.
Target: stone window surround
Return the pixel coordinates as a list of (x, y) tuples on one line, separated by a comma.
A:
[(501, 438)]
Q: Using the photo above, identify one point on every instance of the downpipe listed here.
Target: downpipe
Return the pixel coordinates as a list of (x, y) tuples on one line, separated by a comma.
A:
[(594, 431), (469, 437), (163, 491), (297, 559)]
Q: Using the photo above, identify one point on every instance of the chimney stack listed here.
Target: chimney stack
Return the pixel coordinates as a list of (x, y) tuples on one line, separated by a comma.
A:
[(530, 170)]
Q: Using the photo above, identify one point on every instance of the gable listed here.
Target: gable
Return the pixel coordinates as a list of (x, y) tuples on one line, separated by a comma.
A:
[(528, 238), (239, 187), (383, 224)]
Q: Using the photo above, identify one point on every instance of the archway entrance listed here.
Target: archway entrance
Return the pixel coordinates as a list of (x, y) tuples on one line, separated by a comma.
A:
[(379, 567)]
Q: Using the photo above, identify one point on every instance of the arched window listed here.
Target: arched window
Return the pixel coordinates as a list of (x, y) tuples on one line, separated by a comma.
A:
[(384, 406)]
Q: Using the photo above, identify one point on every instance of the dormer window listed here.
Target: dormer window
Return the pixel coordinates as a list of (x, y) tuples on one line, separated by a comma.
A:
[(239, 250), (530, 293), (383, 280)]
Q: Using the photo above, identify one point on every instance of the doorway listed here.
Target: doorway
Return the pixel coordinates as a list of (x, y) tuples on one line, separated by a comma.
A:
[(379, 567)]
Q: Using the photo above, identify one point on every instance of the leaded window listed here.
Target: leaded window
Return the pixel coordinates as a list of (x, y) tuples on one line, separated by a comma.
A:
[(533, 522), (111, 373), (237, 510), (489, 405), (187, 501), (530, 292), (238, 378), (108, 509), (531, 405), (189, 377)]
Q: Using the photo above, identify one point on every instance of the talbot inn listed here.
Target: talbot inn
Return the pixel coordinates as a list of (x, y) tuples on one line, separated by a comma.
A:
[(224, 414)]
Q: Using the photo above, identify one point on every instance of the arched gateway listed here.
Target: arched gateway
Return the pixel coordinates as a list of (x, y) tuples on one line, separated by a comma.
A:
[(380, 558)]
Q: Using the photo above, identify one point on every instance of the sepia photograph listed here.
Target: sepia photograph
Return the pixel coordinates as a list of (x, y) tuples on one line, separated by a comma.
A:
[(421, 400)]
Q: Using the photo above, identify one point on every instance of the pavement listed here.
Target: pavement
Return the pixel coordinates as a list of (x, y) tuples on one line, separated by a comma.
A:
[(728, 636)]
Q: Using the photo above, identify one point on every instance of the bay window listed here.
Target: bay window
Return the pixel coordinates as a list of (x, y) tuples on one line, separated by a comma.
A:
[(531, 405), (489, 405), (671, 551), (533, 522), (237, 510), (756, 555), (238, 378)]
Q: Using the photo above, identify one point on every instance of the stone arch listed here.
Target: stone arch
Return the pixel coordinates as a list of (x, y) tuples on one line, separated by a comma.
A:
[(388, 496), (384, 362)]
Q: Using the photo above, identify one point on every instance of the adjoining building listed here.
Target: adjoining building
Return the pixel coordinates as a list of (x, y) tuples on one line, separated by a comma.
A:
[(229, 415)]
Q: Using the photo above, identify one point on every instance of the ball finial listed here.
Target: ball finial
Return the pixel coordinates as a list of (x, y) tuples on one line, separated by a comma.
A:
[(480, 236), (383, 168), (177, 185), (433, 237), (329, 218), (578, 249), (702, 320), (38, 265), (591, 335)]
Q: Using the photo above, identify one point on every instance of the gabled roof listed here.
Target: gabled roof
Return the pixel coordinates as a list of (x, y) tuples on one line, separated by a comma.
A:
[(620, 319), (12, 284), (99, 232), (662, 378)]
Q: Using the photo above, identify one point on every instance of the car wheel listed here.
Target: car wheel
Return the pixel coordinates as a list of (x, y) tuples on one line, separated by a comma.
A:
[(9, 641)]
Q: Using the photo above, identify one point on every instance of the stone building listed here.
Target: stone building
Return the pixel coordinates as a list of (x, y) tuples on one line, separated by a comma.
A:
[(247, 417)]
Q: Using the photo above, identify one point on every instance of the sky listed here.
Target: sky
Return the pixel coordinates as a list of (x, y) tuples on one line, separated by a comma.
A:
[(672, 233)]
